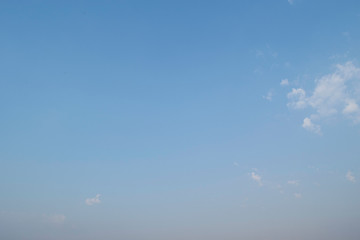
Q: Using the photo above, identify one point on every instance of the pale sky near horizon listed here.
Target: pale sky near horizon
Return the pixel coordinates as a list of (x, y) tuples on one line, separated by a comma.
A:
[(181, 120)]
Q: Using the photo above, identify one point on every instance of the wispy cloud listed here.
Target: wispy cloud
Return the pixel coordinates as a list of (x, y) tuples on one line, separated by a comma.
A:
[(310, 126), (333, 94), (291, 2), (297, 98), (294, 182), (351, 107), (269, 95), (57, 219), (256, 178), (284, 82), (297, 195), (350, 177), (266, 53), (92, 201)]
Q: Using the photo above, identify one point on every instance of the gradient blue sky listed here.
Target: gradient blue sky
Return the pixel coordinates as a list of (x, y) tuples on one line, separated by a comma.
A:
[(157, 120)]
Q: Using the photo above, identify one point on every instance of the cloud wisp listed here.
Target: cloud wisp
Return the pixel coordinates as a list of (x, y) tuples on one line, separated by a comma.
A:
[(336, 93), (57, 219), (293, 182), (284, 82), (256, 178), (350, 177), (297, 195), (310, 126), (92, 201), (269, 95)]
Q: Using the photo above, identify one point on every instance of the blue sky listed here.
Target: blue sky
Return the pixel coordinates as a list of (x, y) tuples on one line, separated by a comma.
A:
[(180, 120)]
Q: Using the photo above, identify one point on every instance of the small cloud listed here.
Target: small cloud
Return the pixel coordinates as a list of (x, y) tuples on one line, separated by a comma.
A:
[(92, 201), (297, 195), (284, 82), (269, 95), (351, 107), (236, 164), (57, 219), (293, 182), (256, 178), (274, 54), (310, 126), (291, 2), (298, 97), (350, 177)]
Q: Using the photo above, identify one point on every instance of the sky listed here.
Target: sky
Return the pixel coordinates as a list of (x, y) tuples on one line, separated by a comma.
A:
[(157, 120)]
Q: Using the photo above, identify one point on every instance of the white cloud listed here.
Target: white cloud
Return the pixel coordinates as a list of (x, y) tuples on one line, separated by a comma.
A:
[(297, 195), (269, 95), (57, 219), (333, 94), (236, 164), (299, 95), (351, 107), (291, 2), (310, 126), (284, 82), (293, 182), (256, 178), (350, 177), (92, 201)]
